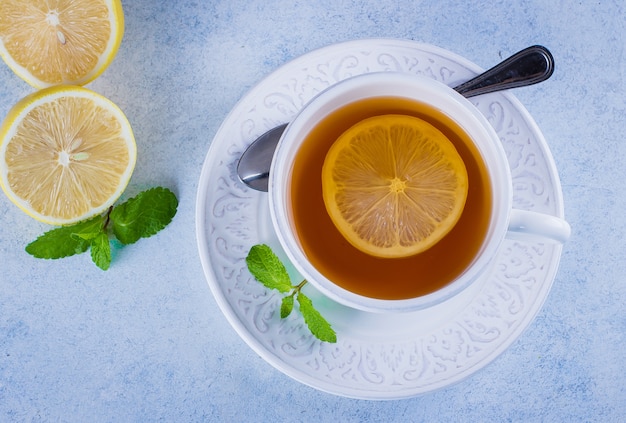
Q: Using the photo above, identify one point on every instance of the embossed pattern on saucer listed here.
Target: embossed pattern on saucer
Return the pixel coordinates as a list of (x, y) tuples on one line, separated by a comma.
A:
[(375, 358)]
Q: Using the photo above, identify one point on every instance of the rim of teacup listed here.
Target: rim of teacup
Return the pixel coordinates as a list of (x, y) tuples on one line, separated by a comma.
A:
[(390, 84)]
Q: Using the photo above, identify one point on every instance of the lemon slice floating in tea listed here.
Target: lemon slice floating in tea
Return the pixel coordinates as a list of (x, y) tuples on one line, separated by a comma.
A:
[(394, 185), (57, 42), (66, 154)]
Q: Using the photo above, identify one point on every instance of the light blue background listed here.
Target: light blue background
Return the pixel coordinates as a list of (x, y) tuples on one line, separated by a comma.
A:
[(145, 341)]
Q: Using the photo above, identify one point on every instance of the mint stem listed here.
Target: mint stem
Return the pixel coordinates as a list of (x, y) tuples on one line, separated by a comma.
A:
[(299, 287), (107, 219)]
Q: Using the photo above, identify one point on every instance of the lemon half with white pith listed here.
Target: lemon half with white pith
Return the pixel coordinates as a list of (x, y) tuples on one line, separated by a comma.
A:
[(54, 42), (66, 154)]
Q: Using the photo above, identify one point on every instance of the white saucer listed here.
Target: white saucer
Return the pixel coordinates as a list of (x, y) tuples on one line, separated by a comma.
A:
[(376, 356)]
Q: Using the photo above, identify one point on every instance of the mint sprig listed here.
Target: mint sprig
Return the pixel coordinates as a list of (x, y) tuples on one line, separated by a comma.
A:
[(139, 217), (267, 268)]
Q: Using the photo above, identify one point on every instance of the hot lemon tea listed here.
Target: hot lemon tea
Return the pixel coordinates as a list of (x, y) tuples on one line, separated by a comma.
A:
[(365, 274)]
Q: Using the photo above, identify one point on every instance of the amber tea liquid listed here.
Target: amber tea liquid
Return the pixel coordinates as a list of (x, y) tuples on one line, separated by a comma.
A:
[(374, 277)]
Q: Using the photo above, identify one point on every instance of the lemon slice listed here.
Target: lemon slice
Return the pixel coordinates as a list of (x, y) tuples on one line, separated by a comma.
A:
[(60, 41), (394, 185), (66, 154)]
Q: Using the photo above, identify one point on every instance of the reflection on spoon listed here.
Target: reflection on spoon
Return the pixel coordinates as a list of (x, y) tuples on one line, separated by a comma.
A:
[(526, 67)]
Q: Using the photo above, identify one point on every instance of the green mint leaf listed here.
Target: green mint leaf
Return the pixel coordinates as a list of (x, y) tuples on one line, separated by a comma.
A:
[(88, 236), (65, 241), (318, 326), (101, 251), (267, 268), (144, 215), (286, 306)]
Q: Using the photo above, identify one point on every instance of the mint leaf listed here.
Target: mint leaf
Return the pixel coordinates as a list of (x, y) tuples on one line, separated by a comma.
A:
[(144, 215), (139, 217), (101, 251), (318, 326), (267, 268), (65, 241), (88, 236), (286, 306)]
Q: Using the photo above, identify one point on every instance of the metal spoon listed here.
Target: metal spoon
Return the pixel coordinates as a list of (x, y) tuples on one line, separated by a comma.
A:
[(526, 67)]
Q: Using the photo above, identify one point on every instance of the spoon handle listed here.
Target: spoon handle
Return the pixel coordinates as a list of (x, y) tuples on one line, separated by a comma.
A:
[(526, 67)]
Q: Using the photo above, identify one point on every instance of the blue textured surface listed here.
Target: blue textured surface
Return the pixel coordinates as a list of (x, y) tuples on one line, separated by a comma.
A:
[(145, 341)]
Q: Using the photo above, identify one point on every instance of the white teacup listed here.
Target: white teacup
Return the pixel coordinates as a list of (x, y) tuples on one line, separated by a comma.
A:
[(504, 218)]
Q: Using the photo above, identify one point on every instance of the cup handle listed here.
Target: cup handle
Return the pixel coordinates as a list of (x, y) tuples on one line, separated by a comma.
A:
[(525, 223)]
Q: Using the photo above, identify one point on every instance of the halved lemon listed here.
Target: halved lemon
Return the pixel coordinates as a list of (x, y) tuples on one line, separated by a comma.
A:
[(53, 42), (394, 185), (66, 154)]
